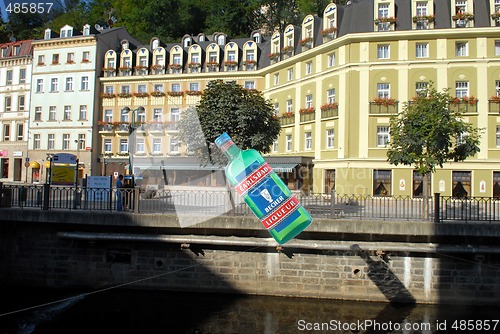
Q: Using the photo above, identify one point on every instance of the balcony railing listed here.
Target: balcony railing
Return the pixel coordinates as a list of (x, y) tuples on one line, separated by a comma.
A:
[(106, 128), (494, 107), (330, 112), (464, 107), (308, 117), (288, 120), (123, 127), (156, 127), (376, 108)]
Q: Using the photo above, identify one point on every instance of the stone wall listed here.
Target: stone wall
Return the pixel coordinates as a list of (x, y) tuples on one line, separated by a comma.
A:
[(42, 255)]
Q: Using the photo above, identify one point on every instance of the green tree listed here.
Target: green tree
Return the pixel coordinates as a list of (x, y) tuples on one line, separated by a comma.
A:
[(429, 133), (4, 33), (228, 107)]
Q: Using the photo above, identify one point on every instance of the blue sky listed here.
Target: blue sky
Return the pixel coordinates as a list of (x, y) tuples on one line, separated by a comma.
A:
[(5, 3)]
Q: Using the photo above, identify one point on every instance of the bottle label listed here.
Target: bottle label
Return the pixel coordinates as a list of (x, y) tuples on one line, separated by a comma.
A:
[(267, 195)]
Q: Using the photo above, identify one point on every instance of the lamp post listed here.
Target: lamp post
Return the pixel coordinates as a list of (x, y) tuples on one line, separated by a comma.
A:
[(131, 129)]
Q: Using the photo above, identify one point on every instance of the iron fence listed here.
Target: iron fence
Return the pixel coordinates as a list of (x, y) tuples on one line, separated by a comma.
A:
[(222, 202)]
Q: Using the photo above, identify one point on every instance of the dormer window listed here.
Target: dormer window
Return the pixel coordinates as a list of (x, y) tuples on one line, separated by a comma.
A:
[(17, 50), (86, 30), (201, 38), (187, 42), (256, 37), (47, 34), (125, 45), (221, 40), (66, 32), (156, 44)]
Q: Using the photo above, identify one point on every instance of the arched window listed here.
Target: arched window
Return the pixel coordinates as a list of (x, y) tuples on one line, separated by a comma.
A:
[(221, 40), (187, 42), (256, 37)]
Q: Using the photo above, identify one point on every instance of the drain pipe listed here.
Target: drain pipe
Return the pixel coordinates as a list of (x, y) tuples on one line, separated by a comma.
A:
[(326, 245)]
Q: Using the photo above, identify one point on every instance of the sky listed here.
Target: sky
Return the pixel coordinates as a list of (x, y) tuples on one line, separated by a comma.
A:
[(34, 5)]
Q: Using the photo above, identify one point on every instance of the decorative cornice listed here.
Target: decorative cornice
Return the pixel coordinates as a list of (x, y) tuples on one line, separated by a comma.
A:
[(65, 41)]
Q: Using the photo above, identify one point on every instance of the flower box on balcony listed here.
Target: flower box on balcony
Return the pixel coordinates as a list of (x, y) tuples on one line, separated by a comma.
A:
[(175, 66), (157, 94), (141, 94), (495, 15), (306, 41), (463, 16), (391, 20), (124, 68), (329, 106), (194, 92), (55, 63), (141, 68), (108, 95), (85, 60), (495, 99), (287, 114), (175, 93), (384, 101), (287, 49), (70, 62), (212, 64), (428, 18), (328, 31), (157, 67), (108, 69), (249, 62), (40, 63), (470, 100), (303, 111), (274, 56), (230, 63), (193, 65), (124, 95)]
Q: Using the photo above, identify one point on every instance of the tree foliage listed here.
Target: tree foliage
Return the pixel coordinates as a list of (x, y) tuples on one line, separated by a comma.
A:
[(428, 133), (228, 107)]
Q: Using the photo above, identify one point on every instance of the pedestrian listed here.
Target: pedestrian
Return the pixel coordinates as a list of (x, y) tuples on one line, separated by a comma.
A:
[(119, 194)]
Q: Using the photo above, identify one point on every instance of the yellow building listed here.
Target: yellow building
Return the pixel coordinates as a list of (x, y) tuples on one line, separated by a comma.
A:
[(334, 81)]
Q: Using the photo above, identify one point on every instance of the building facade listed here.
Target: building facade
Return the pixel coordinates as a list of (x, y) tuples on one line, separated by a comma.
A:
[(66, 70), (15, 84)]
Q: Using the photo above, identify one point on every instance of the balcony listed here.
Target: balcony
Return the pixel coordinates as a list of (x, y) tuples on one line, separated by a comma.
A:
[(141, 70), (157, 69), (156, 128), (141, 127), (172, 126), (287, 119), (106, 128), (307, 115), (464, 105), (384, 106), (329, 110), (122, 128), (494, 105)]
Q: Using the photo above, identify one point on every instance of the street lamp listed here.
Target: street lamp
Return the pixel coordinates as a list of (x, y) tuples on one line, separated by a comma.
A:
[(131, 129)]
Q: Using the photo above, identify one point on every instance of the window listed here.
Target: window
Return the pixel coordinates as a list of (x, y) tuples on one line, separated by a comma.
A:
[(290, 74), (108, 115), (85, 83), (276, 108), (497, 87), (174, 145), (140, 145), (67, 113), (383, 10), (69, 84), (421, 87), (141, 89), (330, 96), (176, 87), (20, 131), (231, 56), (124, 116), (125, 89), (461, 89), (383, 90), (194, 86), (461, 184), (41, 60), (212, 57), (158, 88), (52, 113), (250, 55), (276, 79), (86, 57), (250, 84), (141, 116), (36, 142), (309, 67), (66, 140), (21, 102), (81, 144), (288, 143), (460, 6), (330, 138), (8, 104), (143, 61), (9, 77), (461, 49), (497, 48), (70, 58), (331, 60), (422, 50), (108, 147), (383, 51), (421, 9), (498, 136), (176, 59), (51, 141), (53, 85), (22, 75), (275, 145), (6, 132), (4, 52), (38, 113), (123, 146), (39, 85), (174, 115), (309, 101), (159, 60), (329, 181), (382, 136), (55, 59), (156, 145), (381, 182), (158, 115), (83, 113), (496, 185), (109, 90), (289, 105), (418, 184), (308, 141)]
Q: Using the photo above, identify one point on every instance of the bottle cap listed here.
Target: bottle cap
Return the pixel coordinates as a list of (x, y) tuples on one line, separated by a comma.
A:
[(222, 139)]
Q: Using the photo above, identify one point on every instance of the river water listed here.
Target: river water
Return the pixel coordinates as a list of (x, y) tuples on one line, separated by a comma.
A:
[(132, 311)]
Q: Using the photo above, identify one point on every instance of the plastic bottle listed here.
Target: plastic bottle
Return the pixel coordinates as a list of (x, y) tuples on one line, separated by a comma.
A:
[(264, 192)]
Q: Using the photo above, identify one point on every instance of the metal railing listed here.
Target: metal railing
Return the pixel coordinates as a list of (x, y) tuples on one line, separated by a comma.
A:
[(222, 202)]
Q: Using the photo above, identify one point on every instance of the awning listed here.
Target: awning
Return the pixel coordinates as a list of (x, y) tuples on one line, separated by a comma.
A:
[(283, 168), (34, 164), (46, 164)]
